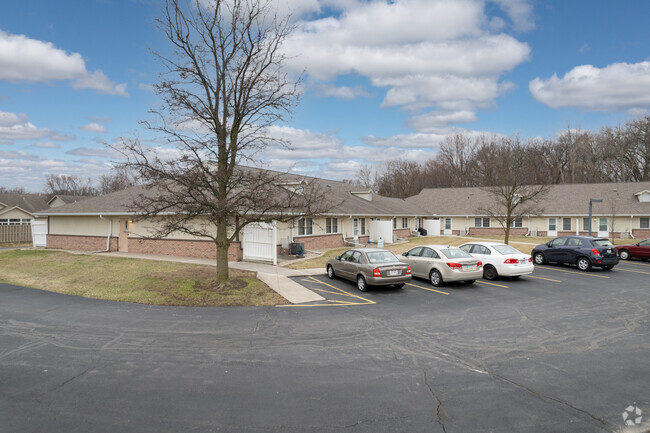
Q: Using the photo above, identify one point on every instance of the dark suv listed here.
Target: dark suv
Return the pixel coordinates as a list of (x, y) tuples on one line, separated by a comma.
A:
[(583, 251)]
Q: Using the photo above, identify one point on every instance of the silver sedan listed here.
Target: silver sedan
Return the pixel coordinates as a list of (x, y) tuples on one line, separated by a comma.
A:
[(443, 263), (369, 267)]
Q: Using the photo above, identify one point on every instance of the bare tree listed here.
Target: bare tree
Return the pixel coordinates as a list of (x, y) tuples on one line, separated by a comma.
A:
[(502, 171), (400, 178), (222, 88), (366, 177), (118, 179), (68, 185)]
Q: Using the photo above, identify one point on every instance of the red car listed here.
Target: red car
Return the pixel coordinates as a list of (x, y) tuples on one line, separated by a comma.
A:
[(640, 250)]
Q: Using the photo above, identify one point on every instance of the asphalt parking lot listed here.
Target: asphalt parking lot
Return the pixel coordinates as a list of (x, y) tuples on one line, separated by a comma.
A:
[(562, 350)]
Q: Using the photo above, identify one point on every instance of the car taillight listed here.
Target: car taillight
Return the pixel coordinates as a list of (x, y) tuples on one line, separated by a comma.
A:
[(511, 261), (530, 259), (376, 272), (479, 264), (595, 252), (408, 270), (454, 265)]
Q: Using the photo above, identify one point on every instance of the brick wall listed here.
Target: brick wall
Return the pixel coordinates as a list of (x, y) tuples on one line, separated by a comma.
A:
[(321, 242), (402, 233), (641, 233), (183, 248), (80, 243), (492, 231)]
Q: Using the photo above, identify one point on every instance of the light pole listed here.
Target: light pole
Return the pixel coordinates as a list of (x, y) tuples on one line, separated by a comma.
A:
[(591, 202)]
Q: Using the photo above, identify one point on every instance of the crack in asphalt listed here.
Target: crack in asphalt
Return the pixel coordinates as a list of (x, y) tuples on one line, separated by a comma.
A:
[(71, 379), (440, 413)]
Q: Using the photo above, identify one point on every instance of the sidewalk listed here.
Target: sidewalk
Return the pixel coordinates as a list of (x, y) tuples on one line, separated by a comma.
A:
[(276, 277)]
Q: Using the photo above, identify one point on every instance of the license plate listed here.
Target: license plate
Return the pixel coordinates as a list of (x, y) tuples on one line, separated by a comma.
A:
[(522, 262), (469, 267), (393, 273), (609, 250)]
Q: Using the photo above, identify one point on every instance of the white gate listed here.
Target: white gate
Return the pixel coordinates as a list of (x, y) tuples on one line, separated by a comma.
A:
[(39, 233), (432, 226), (260, 242)]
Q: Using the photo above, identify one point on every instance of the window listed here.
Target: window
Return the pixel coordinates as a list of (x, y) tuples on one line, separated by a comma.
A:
[(415, 252), (4, 222), (405, 223), (585, 224), (602, 225), (481, 222), (429, 254), (356, 257), (480, 249), (331, 225), (552, 224), (467, 248), (517, 223), (574, 242), (304, 226), (644, 223), (346, 255), (394, 223), (363, 225), (559, 242), (447, 223), (566, 224)]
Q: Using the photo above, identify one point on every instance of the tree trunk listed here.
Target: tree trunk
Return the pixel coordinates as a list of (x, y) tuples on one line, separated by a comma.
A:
[(223, 244)]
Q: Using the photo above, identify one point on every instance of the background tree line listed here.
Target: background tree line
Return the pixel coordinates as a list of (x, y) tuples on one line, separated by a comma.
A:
[(615, 154)]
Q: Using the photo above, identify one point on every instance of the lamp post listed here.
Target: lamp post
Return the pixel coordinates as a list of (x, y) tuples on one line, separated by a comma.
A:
[(591, 202)]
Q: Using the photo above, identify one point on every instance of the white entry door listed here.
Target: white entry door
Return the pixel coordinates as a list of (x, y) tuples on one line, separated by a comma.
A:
[(447, 226), (603, 228), (39, 233), (260, 242), (552, 227)]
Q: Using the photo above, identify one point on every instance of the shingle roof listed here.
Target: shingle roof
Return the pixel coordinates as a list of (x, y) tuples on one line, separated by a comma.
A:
[(27, 202), (121, 202), (561, 200), (69, 198)]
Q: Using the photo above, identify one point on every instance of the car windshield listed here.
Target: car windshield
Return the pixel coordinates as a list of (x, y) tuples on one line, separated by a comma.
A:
[(454, 253), (506, 249), (381, 257), (602, 243)]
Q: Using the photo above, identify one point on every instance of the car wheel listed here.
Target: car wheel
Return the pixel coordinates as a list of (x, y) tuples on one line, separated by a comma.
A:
[(399, 286), (470, 281), (361, 283), (330, 272), (624, 254), (490, 272), (435, 277), (584, 264), (608, 267), (539, 259)]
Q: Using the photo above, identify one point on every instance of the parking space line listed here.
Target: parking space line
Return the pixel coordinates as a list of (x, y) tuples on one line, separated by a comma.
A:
[(632, 270), (331, 302), (426, 288), (571, 272), (630, 262), (492, 284), (541, 278)]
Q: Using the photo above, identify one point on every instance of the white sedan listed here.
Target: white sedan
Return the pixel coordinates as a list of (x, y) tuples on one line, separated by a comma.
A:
[(500, 259)]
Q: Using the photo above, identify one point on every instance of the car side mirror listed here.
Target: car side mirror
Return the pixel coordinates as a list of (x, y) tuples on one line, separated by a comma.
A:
[(405, 253), (338, 257), (550, 245)]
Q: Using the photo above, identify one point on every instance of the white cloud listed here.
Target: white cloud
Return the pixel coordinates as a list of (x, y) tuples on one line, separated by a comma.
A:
[(615, 87), (20, 154), (442, 54), (146, 87), (46, 145), (438, 121), (93, 127), (92, 151), (31, 60), (17, 127), (343, 92)]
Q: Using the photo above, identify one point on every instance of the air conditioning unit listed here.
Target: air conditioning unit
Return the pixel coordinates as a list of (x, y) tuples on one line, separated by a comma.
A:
[(296, 248), (533, 232), (625, 235), (463, 233)]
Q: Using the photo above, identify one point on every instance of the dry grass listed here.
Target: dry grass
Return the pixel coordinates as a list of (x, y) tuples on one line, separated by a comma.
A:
[(15, 244), (132, 280)]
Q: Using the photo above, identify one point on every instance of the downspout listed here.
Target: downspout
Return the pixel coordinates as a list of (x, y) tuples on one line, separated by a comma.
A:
[(632, 225), (528, 233), (108, 239)]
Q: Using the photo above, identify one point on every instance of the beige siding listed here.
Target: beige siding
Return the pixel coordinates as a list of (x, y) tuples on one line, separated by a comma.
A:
[(83, 225), (15, 213), (56, 202)]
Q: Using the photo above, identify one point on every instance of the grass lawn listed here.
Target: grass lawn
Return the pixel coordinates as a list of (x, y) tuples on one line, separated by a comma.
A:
[(132, 280), (15, 244)]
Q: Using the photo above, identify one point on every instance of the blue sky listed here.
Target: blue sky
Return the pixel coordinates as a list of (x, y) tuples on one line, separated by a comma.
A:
[(384, 79)]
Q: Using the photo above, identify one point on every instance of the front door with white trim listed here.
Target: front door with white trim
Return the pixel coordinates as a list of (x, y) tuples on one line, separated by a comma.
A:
[(447, 229), (603, 228), (552, 227)]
